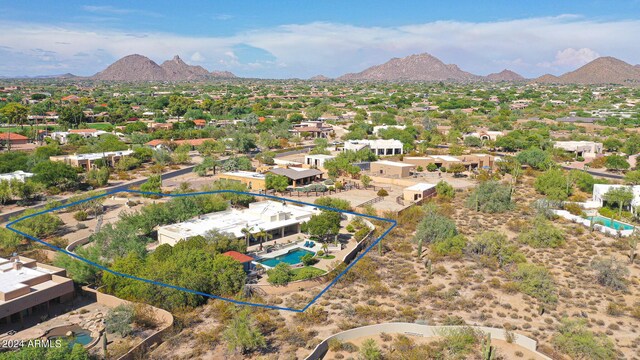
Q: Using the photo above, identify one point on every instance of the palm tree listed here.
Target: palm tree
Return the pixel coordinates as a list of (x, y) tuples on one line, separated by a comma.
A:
[(325, 248), (247, 233), (263, 236)]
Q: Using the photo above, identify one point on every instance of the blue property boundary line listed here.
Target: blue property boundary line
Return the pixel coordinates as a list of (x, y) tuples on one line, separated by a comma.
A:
[(153, 282)]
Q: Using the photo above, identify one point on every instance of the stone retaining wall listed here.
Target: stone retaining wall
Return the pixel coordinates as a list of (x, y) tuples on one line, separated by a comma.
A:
[(164, 317)]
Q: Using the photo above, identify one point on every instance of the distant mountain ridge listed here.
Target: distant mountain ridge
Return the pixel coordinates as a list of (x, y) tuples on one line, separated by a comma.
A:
[(140, 68), (603, 70), (420, 67), (505, 75)]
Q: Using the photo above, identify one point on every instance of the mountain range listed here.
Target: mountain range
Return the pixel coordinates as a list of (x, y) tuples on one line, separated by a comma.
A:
[(419, 67), (140, 68)]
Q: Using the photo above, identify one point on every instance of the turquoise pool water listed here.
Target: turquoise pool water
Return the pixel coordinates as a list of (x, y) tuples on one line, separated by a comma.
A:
[(81, 337), (292, 257), (609, 223)]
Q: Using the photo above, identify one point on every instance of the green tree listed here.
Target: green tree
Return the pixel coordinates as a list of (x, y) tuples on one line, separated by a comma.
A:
[(490, 197), (553, 184), (98, 177), (632, 177), (281, 274), (365, 180), (71, 116), (242, 335), (324, 225), (616, 163), (445, 191), (535, 158), (153, 184), (276, 182), (433, 228), (209, 163), (16, 113), (622, 196), (229, 275), (473, 141), (612, 144), (55, 174), (456, 169)]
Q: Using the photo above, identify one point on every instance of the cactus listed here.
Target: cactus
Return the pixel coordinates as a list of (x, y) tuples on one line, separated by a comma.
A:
[(487, 349), (633, 244), (429, 267)]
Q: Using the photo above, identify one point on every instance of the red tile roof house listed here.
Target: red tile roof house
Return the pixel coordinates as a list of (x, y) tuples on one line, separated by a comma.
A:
[(200, 123), (13, 139), (245, 260), (157, 143)]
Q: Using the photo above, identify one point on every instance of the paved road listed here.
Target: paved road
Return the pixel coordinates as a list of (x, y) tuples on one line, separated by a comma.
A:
[(597, 173), (5, 217)]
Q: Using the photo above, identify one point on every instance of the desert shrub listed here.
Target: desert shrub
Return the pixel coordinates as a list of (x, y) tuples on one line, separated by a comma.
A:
[(541, 234), (574, 209), (360, 234), (494, 246), (434, 227), (382, 193), (370, 351), (453, 246), (575, 340), (445, 191), (81, 215), (535, 281), (535, 158), (611, 273), (432, 167), (119, 319), (490, 197)]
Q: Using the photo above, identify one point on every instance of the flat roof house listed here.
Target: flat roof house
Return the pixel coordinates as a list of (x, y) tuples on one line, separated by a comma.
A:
[(316, 129), (391, 168), (298, 176), (16, 175), (378, 147), (280, 219), (438, 160), (26, 285), (253, 180), (418, 192), (586, 149), (317, 160), (88, 161)]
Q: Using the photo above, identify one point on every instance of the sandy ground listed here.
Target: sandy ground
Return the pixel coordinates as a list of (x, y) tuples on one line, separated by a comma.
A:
[(505, 349)]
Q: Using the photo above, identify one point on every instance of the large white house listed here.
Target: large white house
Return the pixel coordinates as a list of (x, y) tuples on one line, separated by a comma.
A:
[(379, 147), (280, 219), (599, 191)]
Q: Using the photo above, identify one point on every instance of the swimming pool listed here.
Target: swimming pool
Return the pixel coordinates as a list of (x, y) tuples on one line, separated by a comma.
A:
[(616, 225), (292, 257), (80, 335)]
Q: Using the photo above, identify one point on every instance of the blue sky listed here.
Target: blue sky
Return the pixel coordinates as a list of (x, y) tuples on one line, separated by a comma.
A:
[(280, 39)]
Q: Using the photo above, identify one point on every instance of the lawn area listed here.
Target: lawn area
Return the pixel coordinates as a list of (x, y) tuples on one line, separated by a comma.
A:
[(100, 126), (306, 272), (327, 257), (13, 129)]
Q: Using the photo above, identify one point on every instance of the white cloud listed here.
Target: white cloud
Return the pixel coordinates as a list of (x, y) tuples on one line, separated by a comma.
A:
[(571, 57), (303, 50), (197, 57)]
